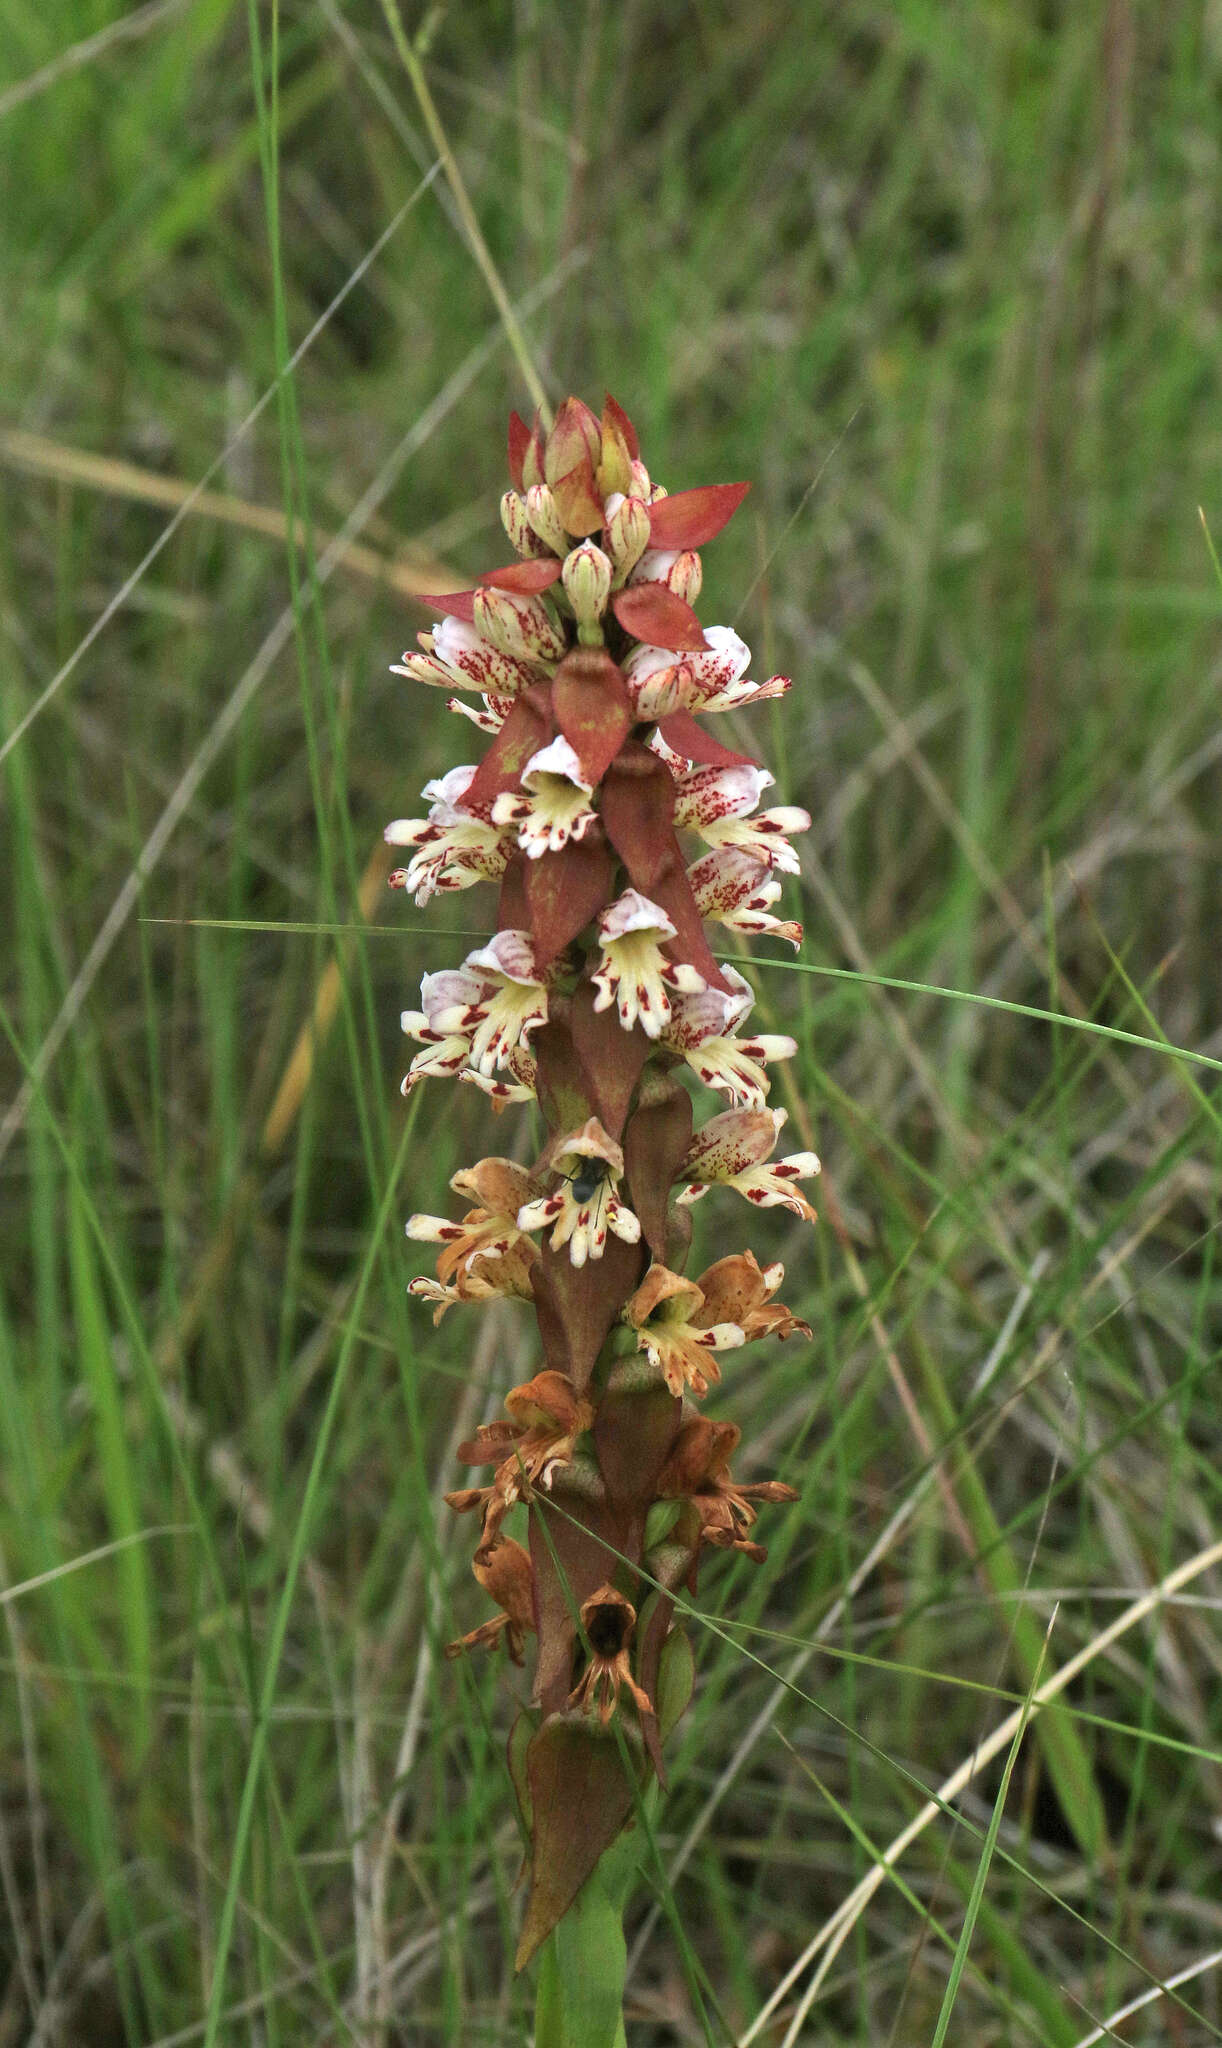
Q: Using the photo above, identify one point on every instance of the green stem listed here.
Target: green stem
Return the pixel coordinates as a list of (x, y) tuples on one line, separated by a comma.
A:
[(579, 2000)]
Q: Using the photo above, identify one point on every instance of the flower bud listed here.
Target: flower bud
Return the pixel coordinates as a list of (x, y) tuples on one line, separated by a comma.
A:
[(545, 519), (685, 576), (522, 536), (587, 582), (519, 626), (614, 471), (641, 486), (627, 537), (575, 442)]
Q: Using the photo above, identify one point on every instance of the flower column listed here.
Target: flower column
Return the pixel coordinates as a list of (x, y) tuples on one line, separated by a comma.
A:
[(616, 824)]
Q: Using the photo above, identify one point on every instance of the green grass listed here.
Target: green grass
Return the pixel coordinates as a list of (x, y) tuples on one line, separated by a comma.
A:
[(944, 283)]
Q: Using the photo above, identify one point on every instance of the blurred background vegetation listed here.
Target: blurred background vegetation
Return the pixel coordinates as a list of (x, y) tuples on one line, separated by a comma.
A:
[(945, 282)]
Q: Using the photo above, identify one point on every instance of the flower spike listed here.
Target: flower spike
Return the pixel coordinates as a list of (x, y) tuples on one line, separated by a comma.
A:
[(614, 824)]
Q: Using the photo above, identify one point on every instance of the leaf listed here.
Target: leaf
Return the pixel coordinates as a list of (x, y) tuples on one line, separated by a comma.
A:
[(681, 732), (526, 578), (638, 808), (676, 1680), (592, 708), (565, 891), (513, 910), (687, 519), (634, 1432), (521, 1735), (576, 1305), (652, 613), (582, 1796)]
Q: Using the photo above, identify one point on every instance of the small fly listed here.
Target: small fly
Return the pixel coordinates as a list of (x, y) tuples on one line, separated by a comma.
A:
[(587, 1180)]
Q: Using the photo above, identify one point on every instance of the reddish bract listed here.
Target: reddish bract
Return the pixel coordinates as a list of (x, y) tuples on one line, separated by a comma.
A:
[(527, 729), (592, 708), (526, 578), (638, 805), (652, 613), (687, 519)]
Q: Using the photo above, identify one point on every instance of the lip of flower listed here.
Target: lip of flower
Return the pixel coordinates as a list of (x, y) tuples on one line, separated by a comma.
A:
[(732, 1150), (663, 1313), (633, 971), (554, 803), (583, 1220), (609, 1621)]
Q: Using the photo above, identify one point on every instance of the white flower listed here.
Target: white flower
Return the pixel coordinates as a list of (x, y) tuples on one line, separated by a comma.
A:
[(702, 1027), (763, 838), (454, 846), (456, 656), (633, 970), (733, 889), (480, 1014), (512, 999), (706, 796), (732, 1150), (445, 1053), (554, 803), (586, 1205)]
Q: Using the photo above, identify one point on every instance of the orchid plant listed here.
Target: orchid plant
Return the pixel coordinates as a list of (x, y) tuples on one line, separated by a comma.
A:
[(617, 826)]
